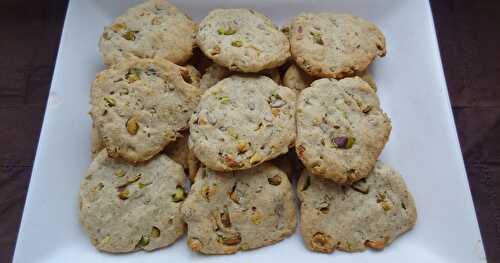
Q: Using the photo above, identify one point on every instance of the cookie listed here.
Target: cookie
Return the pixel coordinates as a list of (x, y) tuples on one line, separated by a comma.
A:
[(371, 213), (141, 105), (153, 29), (242, 40), (215, 73), (227, 212), (296, 79), (125, 208), (334, 45), (241, 122), (341, 129)]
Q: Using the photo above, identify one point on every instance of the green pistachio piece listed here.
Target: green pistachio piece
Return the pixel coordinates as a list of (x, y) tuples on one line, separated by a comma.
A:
[(130, 35), (133, 75), (110, 101), (386, 205), (230, 239), (134, 179), (226, 31), (105, 240), (236, 43), (256, 218), (123, 195), (118, 26), (144, 241), (179, 195), (317, 38), (255, 158), (155, 232), (120, 173), (224, 99)]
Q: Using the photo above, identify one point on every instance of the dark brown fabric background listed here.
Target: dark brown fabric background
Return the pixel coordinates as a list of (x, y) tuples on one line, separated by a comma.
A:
[(469, 38)]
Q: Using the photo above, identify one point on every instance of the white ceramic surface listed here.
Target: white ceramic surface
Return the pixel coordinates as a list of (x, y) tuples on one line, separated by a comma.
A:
[(423, 145)]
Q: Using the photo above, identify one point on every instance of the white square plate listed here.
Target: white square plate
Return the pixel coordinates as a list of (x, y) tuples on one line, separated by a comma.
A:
[(423, 145)]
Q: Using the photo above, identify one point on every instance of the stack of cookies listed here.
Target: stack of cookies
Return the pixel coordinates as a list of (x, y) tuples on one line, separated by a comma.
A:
[(207, 102)]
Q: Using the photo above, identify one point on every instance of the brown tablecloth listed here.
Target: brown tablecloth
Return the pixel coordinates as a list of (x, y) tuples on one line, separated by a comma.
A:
[(469, 37)]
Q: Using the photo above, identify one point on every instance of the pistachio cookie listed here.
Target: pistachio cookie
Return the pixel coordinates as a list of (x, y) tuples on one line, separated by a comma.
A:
[(141, 105), (241, 122), (371, 213), (296, 79), (334, 45), (242, 40), (215, 73), (153, 29), (125, 208), (227, 212), (176, 151), (341, 129)]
